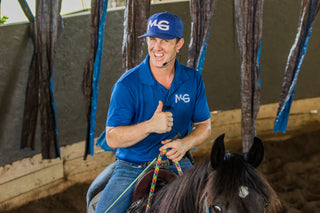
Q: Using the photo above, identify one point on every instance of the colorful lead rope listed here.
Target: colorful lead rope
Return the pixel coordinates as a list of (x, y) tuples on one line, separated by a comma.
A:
[(150, 164), (155, 177)]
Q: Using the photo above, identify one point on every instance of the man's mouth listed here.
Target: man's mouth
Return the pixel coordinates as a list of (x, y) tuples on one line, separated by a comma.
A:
[(158, 54)]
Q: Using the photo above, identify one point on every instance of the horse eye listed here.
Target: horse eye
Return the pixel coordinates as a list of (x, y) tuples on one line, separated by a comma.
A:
[(216, 209)]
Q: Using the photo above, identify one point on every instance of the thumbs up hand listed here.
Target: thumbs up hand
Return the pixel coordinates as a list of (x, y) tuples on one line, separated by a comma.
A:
[(161, 121)]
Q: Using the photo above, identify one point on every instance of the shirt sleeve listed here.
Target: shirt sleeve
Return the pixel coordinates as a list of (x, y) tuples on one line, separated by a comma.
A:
[(121, 108)]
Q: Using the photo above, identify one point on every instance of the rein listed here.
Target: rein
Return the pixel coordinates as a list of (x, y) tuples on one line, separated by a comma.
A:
[(155, 177)]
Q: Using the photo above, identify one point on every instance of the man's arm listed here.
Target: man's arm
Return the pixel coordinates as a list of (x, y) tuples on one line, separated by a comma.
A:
[(200, 133), (125, 136)]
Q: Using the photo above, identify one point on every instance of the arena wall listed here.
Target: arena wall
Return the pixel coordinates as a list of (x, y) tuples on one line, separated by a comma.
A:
[(23, 173)]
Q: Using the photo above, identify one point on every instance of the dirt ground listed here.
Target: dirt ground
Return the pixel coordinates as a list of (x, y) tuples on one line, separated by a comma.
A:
[(292, 167)]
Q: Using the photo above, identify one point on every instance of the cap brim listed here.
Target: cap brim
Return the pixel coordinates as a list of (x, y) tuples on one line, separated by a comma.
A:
[(158, 35)]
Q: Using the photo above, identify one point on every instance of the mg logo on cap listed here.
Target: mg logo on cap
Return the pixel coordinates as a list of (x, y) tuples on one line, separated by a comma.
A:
[(162, 25)]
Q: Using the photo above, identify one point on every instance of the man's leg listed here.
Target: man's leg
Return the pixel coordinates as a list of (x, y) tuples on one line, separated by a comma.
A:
[(100, 182), (123, 175)]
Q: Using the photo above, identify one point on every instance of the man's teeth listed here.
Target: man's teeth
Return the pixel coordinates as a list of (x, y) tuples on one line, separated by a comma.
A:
[(158, 55)]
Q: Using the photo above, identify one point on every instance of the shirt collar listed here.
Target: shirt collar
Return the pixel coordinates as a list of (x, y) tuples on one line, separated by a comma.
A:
[(146, 76)]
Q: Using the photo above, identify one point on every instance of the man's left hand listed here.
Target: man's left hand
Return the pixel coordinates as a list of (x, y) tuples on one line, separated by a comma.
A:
[(176, 149)]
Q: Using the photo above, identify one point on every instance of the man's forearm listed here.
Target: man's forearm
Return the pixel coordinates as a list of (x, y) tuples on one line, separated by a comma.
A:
[(199, 134), (125, 136)]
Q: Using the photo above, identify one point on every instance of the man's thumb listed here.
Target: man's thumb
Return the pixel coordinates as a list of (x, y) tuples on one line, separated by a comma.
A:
[(159, 108)]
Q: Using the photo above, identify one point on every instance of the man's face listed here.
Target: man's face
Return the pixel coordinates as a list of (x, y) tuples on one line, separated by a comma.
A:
[(162, 51)]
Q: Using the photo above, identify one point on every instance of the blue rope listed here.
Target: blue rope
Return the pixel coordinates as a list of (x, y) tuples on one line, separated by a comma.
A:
[(96, 76)]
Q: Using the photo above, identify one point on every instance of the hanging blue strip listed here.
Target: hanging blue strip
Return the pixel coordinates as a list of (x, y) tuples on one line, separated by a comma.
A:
[(201, 63), (283, 116), (55, 116), (26, 4), (259, 75), (282, 119), (258, 62), (203, 51), (96, 76)]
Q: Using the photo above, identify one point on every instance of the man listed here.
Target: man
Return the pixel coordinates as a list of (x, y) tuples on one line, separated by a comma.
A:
[(150, 104)]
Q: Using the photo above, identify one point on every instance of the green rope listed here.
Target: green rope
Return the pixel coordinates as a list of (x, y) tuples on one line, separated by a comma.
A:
[(130, 185)]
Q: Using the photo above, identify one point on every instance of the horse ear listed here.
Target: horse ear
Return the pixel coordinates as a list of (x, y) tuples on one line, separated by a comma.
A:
[(217, 152), (256, 152)]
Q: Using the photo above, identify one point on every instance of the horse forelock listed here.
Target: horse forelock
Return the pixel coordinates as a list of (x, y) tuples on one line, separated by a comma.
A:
[(239, 185)]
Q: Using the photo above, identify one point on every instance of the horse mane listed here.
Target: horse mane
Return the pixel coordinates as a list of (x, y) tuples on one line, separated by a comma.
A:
[(184, 194)]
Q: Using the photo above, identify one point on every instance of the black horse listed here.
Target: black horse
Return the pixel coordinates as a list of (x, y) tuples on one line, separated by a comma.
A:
[(229, 182)]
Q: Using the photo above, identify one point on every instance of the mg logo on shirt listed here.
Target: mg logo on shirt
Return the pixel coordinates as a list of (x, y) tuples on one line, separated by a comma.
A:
[(162, 25), (182, 97)]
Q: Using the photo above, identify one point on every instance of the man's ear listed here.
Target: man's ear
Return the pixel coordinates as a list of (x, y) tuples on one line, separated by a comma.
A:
[(179, 44)]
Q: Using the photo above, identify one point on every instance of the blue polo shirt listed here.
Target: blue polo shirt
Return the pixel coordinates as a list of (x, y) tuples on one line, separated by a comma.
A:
[(136, 96)]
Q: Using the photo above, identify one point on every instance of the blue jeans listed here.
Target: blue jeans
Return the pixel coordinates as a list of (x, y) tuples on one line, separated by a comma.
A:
[(100, 182), (123, 175)]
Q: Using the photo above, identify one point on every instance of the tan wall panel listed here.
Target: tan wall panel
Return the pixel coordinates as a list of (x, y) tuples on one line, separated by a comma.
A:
[(31, 181)]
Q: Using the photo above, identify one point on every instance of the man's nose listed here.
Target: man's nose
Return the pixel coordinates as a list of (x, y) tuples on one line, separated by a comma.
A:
[(157, 45)]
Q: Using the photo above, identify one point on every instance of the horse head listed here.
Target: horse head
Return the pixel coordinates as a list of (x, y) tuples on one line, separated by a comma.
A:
[(235, 185), (227, 183)]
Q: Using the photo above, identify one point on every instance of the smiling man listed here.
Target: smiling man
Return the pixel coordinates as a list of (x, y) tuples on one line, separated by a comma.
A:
[(151, 104)]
